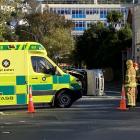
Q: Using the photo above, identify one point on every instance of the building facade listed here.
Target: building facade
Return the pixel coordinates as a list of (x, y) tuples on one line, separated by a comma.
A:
[(82, 15), (135, 11)]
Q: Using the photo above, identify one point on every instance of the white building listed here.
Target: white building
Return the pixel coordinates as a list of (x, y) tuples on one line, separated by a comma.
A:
[(82, 15)]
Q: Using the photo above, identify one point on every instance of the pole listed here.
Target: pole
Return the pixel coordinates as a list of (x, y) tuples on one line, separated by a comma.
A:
[(123, 66)]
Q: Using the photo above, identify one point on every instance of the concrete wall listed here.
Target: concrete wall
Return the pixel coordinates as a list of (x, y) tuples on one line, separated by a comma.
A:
[(136, 33)]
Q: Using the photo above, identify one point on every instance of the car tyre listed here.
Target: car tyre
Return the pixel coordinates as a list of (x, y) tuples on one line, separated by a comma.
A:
[(64, 100)]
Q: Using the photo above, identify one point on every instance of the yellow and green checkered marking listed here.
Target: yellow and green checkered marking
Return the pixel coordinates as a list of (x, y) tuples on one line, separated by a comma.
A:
[(13, 79), (16, 92)]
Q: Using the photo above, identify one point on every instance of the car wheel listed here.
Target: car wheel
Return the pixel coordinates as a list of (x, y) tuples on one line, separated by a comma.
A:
[(63, 100)]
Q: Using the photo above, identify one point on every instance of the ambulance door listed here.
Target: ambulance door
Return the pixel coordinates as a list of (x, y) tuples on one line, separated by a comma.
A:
[(42, 77)]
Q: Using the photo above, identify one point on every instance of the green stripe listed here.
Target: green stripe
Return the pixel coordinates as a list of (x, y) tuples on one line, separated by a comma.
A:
[(42, 87), (18, 47), (7, 90), (64, 79), (76, 86), (55, 79), (4, 47), (61, 79), (21, 98), (20, 80), (28, 46)]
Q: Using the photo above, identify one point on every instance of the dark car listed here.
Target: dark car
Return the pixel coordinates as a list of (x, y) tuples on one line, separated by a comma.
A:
[(80, 74)]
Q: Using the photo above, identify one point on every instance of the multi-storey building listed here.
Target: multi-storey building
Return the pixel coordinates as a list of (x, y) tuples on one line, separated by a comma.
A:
[(83, 13)]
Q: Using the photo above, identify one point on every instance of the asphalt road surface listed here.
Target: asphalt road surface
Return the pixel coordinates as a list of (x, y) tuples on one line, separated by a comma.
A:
[(90, 118)]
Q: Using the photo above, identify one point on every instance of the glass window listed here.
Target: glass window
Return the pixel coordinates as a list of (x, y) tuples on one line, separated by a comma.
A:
[(87, 12), (73, 12), (77, 11), (62, 11), (76, 24), (80, 24), (67, 11), (91, 11), (103, 13), (41, 64), (94, 11), (54, 10), (88, 25)]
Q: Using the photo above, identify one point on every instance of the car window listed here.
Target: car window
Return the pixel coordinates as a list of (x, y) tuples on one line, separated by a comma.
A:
[(40, 63)]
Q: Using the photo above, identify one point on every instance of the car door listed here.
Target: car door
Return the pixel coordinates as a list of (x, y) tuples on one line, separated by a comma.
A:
[(42, 77)]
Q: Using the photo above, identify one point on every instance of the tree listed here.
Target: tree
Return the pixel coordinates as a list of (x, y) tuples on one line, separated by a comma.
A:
[(59, 43), (114, 18), (46, 23), (8, 11), (101, 46), (52, 30)]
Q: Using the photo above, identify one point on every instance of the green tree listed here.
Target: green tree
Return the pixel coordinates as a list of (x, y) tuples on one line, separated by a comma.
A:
[(8, 11), (52, 30), (59, 43), (101, 46), (114, 18)]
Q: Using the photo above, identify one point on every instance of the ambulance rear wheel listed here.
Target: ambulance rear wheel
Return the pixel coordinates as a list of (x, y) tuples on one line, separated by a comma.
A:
[(64, 100)]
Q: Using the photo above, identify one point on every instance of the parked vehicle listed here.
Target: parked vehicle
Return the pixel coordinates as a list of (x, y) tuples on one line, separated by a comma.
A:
[(25, 64)]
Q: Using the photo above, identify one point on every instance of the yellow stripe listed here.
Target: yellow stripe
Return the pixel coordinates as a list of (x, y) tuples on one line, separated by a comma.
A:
[(42, 99), (8, 100), (27, 46), (20, 89), (10, 80), (131, 85), (60, 86), (21, 46)]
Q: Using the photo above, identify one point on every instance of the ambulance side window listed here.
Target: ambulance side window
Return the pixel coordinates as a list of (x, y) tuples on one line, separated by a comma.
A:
[(40, 64)]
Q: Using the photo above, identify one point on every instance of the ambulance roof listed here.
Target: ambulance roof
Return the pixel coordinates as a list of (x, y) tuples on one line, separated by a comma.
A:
[(21, 46)]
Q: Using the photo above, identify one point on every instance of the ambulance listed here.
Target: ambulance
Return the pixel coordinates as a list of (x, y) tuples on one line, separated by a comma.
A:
[(26, 64)]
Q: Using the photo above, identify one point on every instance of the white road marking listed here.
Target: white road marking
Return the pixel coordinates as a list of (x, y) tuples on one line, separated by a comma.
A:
[(1, 113), (6, 132), (22, 121)]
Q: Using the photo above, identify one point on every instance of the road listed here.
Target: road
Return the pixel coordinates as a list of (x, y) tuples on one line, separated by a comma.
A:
[(90, 118)]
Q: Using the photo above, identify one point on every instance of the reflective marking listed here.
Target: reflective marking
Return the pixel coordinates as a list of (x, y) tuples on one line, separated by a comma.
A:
[(22, 121), (8, 123), (6, 132)]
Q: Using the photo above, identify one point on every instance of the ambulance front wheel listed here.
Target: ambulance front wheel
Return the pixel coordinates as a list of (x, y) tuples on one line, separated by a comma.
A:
[(63, 100)]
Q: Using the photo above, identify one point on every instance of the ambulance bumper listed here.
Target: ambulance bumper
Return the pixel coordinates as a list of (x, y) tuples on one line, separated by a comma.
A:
[(77, 94)]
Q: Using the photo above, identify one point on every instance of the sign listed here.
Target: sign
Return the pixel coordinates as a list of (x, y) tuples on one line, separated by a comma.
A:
[(5, 63), (7, 100)]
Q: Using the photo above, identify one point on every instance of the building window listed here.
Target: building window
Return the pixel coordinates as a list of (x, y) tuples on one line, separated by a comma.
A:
[(78, 13), (103, 13), (79, 26), (92, 11), (61, 11)]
